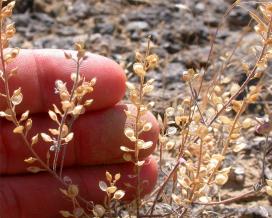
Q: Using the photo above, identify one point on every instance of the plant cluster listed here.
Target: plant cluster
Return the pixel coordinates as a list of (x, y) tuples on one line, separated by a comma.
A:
[(197, 132)]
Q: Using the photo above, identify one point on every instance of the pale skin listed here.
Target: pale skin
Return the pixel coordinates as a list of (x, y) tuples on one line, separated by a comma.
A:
[(94, 150)]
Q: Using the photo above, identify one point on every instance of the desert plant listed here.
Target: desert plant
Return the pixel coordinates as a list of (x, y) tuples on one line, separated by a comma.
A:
[(198, 131)]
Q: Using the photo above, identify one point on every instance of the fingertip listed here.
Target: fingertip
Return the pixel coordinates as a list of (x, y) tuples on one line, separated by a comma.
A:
[(110, 78), (38, 70)]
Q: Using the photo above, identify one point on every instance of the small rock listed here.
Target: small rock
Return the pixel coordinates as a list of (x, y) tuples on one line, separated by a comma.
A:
[(211, 20), (239, 172), (174, 72), (137, 25), (67, 31), (238, 18), (199, 7), (104, 28), (43, 18), (172, 47), (80, 10), (22, 20), (23, 5)]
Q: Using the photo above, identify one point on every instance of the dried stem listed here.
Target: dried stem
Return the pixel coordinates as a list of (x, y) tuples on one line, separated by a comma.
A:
[(229, 200), (226, 145), (63, 121)]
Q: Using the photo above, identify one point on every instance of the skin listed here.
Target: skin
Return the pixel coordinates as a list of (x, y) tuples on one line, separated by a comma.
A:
[(94, 150)]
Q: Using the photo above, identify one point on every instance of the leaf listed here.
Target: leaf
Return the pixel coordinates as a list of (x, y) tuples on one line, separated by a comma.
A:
[(30, 160), (130, 85), (88, 102), (53, 116), (35, 169), (34, 139), (103, 186), (9, 113), (138, 68), (57, 111), (146, 145), (269, 182), (17, 97), (46, 137), (247, 123), (99, 210), (126, 149), (93, 81), (72, 191), (69, 137), (77, 110), (18, 130), (3, 114), (119, 194), (221, 179), (117, 176), (111, 189), (65, 213), (147, 126), (140, 163), (127, 157), (28, 124), (268, 190), (64, 130), (170, 111), (108, 176), (24, 116), (129, 132), (148, 88)]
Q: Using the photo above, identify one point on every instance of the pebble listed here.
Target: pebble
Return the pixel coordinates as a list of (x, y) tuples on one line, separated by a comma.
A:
[(238, 18), (200, 7), (137, 25)]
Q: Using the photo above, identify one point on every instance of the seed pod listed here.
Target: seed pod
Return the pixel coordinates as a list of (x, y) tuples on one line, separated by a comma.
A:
[(139, 69)]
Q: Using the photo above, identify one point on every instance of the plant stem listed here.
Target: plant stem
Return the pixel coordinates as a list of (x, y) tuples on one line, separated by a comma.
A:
[(226, 145), (63, 120)]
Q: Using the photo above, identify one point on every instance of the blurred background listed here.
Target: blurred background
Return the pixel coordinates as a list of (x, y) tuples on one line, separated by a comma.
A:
[(181, 31)]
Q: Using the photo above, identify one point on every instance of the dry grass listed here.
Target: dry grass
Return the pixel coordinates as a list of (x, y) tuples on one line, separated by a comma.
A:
[(197, 132)]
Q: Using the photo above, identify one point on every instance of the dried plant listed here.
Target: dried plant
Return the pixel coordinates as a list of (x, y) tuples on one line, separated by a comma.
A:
[(136, 96), (198, 132), (71, 102), (113, 195), (72, 106)]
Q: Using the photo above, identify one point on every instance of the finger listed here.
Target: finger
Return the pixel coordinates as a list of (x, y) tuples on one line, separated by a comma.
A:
[(97, 140), (39, 196), (39, 69)]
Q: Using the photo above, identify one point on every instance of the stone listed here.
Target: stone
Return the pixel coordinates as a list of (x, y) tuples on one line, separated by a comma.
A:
[(137, 25)]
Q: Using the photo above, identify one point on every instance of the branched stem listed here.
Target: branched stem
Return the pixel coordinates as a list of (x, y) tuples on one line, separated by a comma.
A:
[(63, 121)]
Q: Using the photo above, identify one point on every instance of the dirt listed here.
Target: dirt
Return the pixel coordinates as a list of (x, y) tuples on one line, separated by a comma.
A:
[(181, 32)]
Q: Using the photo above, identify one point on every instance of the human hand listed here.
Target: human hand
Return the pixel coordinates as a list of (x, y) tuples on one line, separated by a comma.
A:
[(94, 150)]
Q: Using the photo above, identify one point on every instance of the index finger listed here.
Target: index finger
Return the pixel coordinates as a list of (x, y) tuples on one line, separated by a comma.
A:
[(39, 69)]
